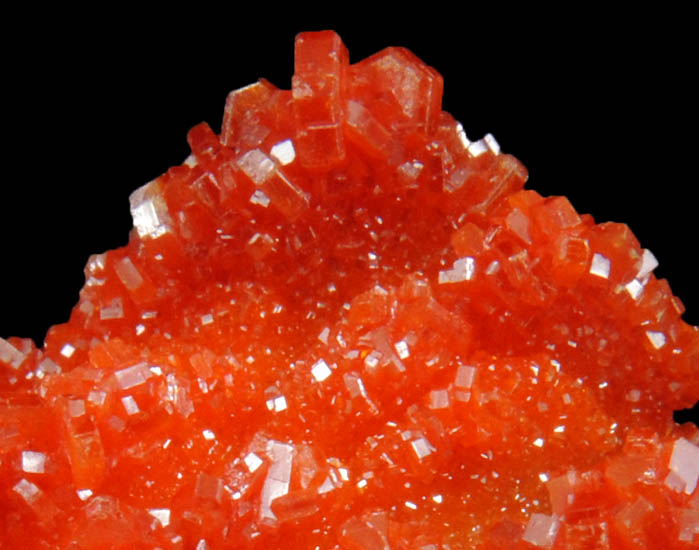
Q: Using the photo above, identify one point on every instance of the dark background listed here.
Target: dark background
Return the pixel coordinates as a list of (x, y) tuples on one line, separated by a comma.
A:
[(600, 109)]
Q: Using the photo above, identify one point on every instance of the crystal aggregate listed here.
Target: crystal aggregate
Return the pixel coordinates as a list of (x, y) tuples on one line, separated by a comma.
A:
[(342, 324)]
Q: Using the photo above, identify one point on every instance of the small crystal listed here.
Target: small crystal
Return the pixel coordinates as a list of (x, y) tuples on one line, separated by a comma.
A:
[(600, 266), (130, 405), (422, 447), (259, 197), (132, 376), (541, 530), (656, 338), (10, 354), (27, 490), (252, 461), (684, 464), (67, 351), (149, 211), (320, 370), (33, 462), (284, 152), (162, 515)]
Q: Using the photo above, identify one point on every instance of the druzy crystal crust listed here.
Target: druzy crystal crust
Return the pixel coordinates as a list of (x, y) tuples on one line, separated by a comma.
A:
[(342, 324)]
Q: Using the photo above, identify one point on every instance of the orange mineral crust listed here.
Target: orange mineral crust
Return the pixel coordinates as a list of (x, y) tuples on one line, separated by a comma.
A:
[(343, 325)]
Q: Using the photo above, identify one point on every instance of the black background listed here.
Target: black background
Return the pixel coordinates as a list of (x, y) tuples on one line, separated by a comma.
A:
[(598, 107)]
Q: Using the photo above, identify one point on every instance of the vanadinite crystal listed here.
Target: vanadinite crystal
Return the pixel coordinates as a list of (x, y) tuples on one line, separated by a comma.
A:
[(340, 324)]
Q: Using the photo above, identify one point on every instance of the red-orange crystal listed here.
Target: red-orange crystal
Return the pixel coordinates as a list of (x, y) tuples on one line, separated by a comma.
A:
[(342, 325)]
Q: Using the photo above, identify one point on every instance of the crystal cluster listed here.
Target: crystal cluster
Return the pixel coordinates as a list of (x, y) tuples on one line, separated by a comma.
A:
[(341, 324)]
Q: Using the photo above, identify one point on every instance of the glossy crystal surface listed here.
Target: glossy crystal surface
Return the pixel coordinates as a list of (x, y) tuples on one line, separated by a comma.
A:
[(343, 324)]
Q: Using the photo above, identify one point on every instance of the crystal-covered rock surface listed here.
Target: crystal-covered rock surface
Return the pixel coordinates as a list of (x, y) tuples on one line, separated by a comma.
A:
[(341, 323)]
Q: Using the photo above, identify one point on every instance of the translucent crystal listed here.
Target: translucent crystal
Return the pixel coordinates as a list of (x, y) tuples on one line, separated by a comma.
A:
[(541, 530), (149, 211), (684, 464), (33, 462), (340, 323)]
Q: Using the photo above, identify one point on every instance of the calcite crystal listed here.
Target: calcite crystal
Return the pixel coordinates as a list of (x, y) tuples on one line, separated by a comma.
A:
[(341, 324)]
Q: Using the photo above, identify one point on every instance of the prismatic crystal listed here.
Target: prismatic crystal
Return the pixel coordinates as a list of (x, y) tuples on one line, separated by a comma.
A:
[(342, 324)]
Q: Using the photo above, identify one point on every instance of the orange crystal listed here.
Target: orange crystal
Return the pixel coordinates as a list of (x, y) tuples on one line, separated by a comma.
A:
[(342, 324)]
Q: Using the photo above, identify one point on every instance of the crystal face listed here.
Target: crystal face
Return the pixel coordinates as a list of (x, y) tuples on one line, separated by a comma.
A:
[(343, 324)]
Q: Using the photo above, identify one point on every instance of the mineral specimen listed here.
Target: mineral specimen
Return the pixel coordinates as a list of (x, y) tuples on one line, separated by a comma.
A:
[(342, 324)]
